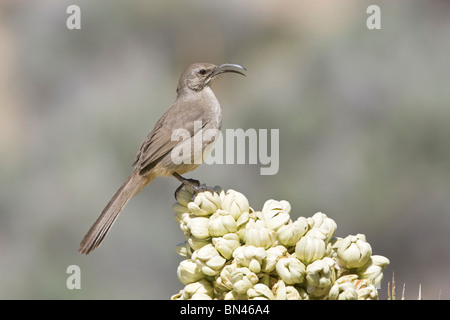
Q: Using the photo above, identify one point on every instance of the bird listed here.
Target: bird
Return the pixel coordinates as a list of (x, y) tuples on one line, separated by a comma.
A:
[(195, 109)]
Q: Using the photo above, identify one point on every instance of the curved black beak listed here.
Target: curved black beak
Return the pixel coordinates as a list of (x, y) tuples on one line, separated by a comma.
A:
[(227, 67)]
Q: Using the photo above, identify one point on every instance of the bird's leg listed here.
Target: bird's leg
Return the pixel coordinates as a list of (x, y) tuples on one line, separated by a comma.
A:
[(193, 184)]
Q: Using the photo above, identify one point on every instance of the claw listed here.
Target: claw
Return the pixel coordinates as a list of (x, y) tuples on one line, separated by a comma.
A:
[(192, 183), (201, 188)]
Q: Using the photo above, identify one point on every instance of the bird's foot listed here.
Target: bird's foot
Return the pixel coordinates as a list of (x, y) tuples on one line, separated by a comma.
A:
[(192, 184), (201, 188)]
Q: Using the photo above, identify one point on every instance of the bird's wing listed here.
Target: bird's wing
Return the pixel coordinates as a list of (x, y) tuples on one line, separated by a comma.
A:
[(159, 141)]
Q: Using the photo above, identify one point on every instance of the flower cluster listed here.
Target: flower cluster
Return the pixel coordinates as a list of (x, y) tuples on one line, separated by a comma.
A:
[(234, 252)]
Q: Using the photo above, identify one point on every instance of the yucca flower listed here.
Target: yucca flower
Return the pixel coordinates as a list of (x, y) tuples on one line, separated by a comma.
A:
[(235, 252)]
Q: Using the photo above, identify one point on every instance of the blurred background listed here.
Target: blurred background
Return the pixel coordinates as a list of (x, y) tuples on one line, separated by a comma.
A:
[(364, 120)]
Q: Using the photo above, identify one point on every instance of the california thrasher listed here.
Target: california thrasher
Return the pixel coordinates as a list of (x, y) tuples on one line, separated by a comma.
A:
[(195, 104)]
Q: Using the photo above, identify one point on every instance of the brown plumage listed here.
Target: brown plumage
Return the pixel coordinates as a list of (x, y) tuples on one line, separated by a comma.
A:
[(195, 104)]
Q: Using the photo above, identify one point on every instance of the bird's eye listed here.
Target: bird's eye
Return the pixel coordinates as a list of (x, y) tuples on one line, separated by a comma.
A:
[(202, 72)]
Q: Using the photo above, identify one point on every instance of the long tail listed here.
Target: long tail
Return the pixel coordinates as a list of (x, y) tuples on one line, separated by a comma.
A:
[(104, 222)]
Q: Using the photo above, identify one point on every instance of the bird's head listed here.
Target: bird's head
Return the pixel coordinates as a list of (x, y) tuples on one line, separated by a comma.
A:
[(197, 76)]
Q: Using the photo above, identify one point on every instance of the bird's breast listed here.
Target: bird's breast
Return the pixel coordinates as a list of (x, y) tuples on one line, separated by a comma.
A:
[(212, 111)]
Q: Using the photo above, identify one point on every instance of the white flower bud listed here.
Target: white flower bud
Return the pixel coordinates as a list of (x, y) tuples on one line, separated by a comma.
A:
[(380, 261), (177, 296), (221, 223), (180, 212), (326, 225), (223, 282), (271, 204), (321, 273), (256, 234), (260, 292), (188, 272), (208, 260), (335, 242), (200, 296), (279, 289), (243, 219), (276, 213), (291, 270), (317, 233), (272, 256), (373, 271), (291, 233), (293, 293), (226, 244), (198, 227), (233, 295), (198, 290), (284, 292), (243, 279), (346, 291), (309, 249), (241, 224), (317, 293), (235, 203), (366, 290), (250, 256), (354, 251), (196, 243), (183, 218), (344, 288), (205, 203), (349, 287)]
